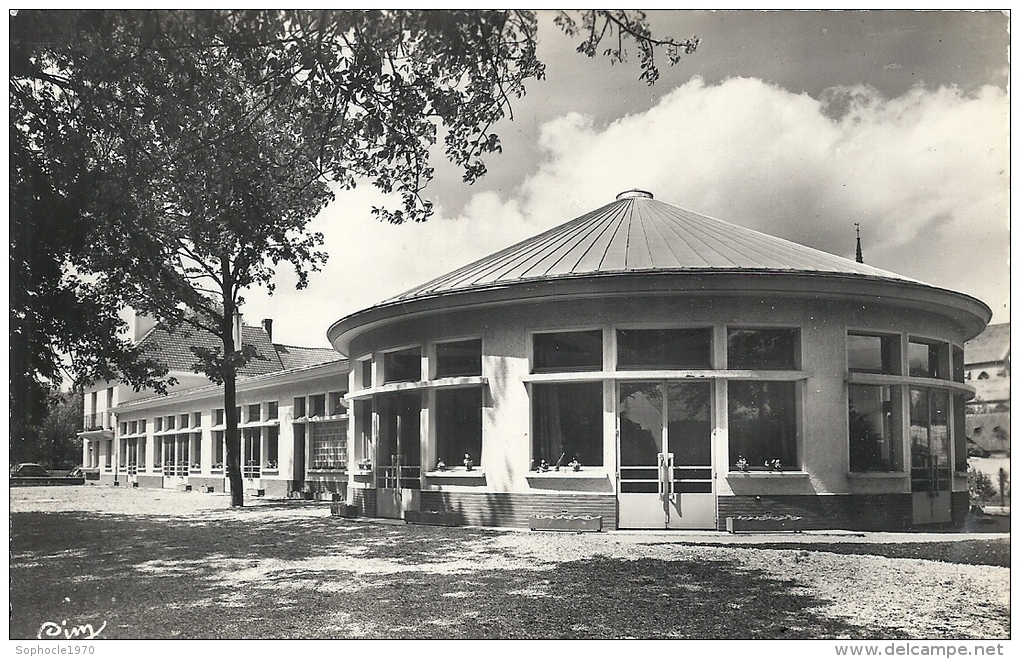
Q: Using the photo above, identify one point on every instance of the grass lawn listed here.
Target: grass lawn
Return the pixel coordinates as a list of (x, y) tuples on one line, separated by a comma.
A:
[(266, 576)]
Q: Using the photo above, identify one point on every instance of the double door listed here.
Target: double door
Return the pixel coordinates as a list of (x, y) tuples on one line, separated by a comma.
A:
[(931, 475), (665, 455), (398, 478)]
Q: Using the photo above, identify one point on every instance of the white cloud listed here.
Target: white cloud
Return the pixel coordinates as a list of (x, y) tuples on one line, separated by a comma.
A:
[(926, 174)]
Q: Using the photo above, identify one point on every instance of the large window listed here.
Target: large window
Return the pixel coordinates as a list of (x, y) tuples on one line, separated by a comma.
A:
[(366, 374), (251, 464), (272, 462), (929, 436), (763, 423), (568, 351), (762, 349), (567, 423), (329, 445), (867, 353), (402, 365), (459, 425), (873, 414), (664, 348), (217, 450), (928, 359), (960, 432), (459, 359), (958, 371), (196, 451)]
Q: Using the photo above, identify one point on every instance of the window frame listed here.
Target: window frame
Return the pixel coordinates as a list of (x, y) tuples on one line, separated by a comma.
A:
[(533, 352), (797, 420), (896, 440), (619, 366), (797, 356), (387, 356), (438, 371), (598, 401), (890, 342)]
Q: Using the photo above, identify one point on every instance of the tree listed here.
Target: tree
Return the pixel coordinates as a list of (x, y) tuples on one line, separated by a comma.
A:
[(53, 441), (196, 146)]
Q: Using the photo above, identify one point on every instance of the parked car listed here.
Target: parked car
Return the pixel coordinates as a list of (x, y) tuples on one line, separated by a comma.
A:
[(29, 470)]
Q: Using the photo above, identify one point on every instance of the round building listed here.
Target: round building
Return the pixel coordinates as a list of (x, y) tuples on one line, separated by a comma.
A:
[(647, 367)]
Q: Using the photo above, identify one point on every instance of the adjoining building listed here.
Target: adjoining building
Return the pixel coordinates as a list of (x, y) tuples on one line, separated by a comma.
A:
[(290, 400), (662, 369), (987, 366)]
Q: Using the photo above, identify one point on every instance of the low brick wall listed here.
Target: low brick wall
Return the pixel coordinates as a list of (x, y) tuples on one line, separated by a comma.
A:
[(148, 480), (275, 489), (335, 486), (202, 483), (858, 512), (364, 500), (47, 480), (516, 509), (961, 506)]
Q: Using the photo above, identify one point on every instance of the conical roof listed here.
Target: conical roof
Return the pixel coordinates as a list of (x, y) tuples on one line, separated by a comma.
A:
[(637, 234)]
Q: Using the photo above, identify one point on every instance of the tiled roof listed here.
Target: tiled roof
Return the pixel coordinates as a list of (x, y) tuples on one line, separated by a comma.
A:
[(637, 234), (992, 345), (173, 348), (298, 357), (989, 430)]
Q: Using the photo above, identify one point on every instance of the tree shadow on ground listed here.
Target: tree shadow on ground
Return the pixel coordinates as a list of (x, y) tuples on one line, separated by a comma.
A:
[(161, 579), (993, 551)]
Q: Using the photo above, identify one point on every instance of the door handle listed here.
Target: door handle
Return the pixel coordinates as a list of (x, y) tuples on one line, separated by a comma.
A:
[(670, 485), (663, 486)]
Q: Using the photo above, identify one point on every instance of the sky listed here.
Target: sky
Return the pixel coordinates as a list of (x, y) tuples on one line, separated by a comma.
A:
[(797, 124)]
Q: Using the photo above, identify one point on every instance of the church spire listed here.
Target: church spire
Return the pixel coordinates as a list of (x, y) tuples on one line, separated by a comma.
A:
[(860, 255)]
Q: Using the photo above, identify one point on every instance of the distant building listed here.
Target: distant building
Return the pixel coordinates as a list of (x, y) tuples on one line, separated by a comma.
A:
[(987, 364), (293, 420)]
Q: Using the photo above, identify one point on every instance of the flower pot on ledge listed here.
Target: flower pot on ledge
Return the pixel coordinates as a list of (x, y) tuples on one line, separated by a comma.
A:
[(565, 522)]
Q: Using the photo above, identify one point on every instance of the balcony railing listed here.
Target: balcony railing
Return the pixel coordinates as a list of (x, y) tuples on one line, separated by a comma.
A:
[(98, 421)]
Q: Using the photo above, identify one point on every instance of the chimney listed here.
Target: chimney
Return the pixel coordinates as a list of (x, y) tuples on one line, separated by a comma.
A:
[(236, 331), (267, 324), (140, 326)]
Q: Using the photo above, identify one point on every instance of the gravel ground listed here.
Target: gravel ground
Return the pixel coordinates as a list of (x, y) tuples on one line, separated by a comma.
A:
[(917, 598)]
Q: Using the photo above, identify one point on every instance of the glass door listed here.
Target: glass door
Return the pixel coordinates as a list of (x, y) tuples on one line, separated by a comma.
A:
[(399, 454), (665, 475), (930, 466)]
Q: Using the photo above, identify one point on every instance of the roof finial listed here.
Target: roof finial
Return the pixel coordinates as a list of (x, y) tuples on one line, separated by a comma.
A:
[(635, 193), (860, 255)]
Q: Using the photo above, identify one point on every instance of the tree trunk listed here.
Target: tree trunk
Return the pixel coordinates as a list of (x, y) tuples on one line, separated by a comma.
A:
[(233, 437), (233, 433)]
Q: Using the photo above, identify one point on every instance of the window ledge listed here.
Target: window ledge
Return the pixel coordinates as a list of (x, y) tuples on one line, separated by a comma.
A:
[(767, 474), (329, 472), (878, 475), (594, 474), (458, 473)]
